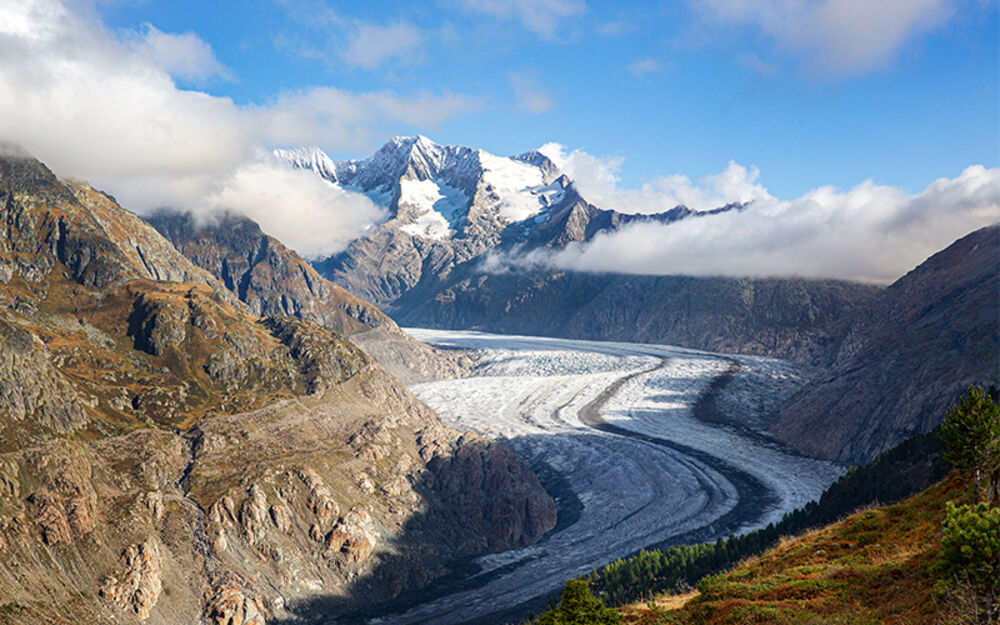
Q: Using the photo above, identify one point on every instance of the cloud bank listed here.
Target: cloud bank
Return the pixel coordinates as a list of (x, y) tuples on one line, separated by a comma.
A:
[(871, 233), (105, 108), (597, 179)]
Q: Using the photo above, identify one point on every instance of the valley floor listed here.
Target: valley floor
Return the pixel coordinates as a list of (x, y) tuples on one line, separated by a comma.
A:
[(616, 420)]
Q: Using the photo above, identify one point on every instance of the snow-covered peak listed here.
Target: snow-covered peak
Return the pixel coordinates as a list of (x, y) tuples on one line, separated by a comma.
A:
[(309, 158), (432, 190), (523, 188)]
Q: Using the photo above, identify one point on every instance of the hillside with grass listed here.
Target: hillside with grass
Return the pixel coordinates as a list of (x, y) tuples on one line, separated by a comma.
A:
[(876, 566), (931, 558)]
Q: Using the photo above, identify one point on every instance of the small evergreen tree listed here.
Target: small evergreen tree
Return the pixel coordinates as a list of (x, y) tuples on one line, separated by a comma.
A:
[(970, 435), (578, 606), (969, 562)]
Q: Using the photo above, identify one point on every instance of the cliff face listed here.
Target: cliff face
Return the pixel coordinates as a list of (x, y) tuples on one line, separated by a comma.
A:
[(271, 279), (933, 334), (168, 457)]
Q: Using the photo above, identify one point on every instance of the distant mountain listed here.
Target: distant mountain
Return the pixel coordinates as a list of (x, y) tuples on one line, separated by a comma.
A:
[(894, 356), (481, 203), (168, 456), (929, 336), (273, 280), (448, 205)]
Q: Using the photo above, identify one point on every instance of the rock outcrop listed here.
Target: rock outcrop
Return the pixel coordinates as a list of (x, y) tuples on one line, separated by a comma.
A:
[(273, 280), (167, 457)]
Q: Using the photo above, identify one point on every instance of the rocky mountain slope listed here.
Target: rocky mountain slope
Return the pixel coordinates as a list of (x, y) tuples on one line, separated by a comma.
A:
[(273, 280), (449, 205), (801, 320), (933, 333), (168, 457)]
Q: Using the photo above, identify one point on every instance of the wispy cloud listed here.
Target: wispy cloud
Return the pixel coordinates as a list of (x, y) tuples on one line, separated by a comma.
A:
[(644, 66), (870, 232), (545, 18), (836, 37), (184, 55), (757, 65), (336, 38), (615, 28), (529, 95), (372, 44), (93, 106)]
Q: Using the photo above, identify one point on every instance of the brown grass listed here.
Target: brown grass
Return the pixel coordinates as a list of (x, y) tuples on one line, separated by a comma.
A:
[(871, 568)]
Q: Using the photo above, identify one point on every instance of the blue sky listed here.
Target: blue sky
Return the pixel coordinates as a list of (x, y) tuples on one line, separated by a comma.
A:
[(864, 133), (669, 87)]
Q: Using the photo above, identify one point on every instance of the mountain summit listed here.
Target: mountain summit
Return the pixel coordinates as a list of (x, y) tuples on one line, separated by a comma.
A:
[(449, 205), (441, 192)]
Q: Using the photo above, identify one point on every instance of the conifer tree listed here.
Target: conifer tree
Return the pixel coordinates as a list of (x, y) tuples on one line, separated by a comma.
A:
[(970, 435), (969, 562), (578, 606)]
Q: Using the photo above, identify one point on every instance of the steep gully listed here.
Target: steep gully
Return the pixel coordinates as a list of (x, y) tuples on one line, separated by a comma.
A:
[(196, 517), (638, 488)]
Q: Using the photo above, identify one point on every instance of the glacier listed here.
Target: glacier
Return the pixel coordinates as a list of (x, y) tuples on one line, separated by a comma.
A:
[(665, 477)]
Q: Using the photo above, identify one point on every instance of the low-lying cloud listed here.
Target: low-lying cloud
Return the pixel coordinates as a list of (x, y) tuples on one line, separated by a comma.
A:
[(297, 205), (104, 107), (597, 178), (871, 233)]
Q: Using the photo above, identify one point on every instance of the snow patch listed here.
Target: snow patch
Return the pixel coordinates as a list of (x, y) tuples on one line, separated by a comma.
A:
[(309, 158), (521, 187), (436, 208)]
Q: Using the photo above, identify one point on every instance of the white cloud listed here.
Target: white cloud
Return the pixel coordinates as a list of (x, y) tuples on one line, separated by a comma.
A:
[(598, 181), (644, 66), (182, 55), (371, 45), (91, 106), (543, 17), (529, 95), (870, 232), (836, 37), (300, 209)]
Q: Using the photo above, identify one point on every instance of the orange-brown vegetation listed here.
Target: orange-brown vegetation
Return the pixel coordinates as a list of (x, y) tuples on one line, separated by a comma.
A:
[(873, 567)]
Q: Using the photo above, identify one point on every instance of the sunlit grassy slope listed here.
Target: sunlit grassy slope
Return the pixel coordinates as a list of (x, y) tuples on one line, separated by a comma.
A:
[(871, 568)]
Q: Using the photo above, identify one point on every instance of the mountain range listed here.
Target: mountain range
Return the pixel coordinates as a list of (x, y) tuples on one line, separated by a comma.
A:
[(447, 207), (894, 356), (199, 424)]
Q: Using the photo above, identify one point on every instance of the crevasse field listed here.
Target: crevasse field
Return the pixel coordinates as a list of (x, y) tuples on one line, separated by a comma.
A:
[(616, 421)]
